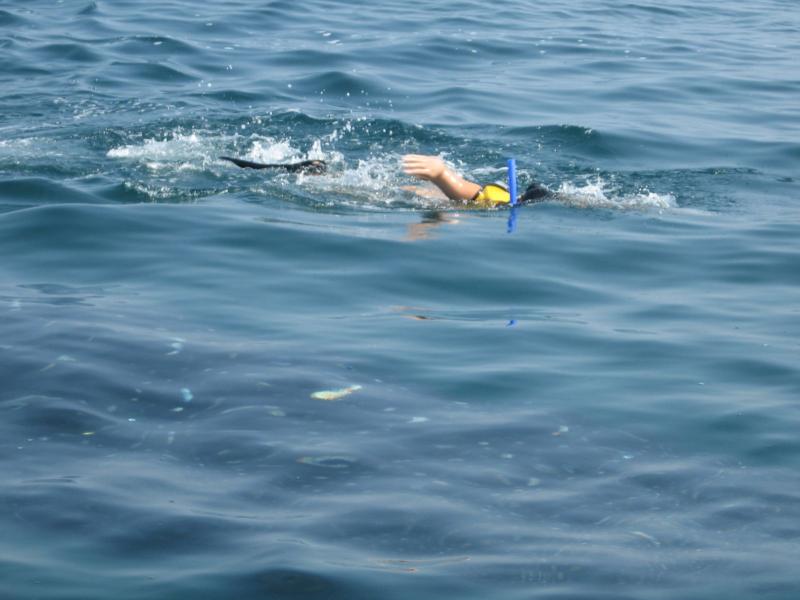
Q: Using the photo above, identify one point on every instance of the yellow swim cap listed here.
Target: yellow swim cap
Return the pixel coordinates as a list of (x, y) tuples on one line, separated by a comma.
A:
[(492, 194)]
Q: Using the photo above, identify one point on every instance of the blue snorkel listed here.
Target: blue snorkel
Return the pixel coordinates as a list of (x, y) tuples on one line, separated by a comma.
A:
[(512, 180), (512, 190)]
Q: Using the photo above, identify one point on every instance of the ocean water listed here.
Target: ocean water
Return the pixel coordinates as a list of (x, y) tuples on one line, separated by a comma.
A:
[(603, 402)]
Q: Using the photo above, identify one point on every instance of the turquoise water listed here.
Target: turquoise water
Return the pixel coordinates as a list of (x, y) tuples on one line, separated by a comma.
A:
[(601, 404)]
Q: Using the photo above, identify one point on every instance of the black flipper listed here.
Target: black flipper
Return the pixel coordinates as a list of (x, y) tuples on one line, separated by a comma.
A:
[(312, 167)]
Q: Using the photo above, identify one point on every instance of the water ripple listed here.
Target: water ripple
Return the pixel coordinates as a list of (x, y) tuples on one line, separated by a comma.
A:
[(599, 404)]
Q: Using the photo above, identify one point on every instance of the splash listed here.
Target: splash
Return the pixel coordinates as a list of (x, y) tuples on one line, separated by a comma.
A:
[(375, 182), (599, 194), (196, 150), (182, 162), (175, 147), (174, 153), (270, 150)]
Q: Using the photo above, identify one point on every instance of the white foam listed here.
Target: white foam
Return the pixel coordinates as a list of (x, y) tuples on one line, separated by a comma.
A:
[(178, 151), (178, 147), (599, 194), (24, 147), (269, 150), (374, 182)]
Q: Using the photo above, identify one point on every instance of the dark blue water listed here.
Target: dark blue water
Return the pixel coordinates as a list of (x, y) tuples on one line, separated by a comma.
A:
[(601, 404)]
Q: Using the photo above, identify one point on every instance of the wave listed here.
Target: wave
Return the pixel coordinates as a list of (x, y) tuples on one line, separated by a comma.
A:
[(356, 178), (149, 72), (73, 52)]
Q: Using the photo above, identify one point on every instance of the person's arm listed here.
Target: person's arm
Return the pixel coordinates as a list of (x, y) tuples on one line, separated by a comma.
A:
[(433, 169)]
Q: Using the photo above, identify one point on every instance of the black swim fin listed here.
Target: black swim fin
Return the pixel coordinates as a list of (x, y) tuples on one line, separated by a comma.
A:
[(311, 167)]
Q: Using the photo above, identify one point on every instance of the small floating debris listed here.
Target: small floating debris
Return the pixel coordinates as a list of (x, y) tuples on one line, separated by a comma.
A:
[(412, 312), (561, 430), (61, 359), (405, 566), (334, 395), (329, 462), (187, 395), (414, 566), (647, 537), (176, 345)]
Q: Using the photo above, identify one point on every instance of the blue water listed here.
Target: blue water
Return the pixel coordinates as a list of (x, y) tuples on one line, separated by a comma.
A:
[(601, 404)]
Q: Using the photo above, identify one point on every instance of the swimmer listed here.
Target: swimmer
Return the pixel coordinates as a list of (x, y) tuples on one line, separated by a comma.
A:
[(455, 187), (428, 168)]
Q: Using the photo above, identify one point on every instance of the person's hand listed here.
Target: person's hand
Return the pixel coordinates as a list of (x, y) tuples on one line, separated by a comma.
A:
[(429, 168)]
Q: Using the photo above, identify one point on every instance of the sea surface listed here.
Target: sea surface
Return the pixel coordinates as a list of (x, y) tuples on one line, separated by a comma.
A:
[(223, 383)]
